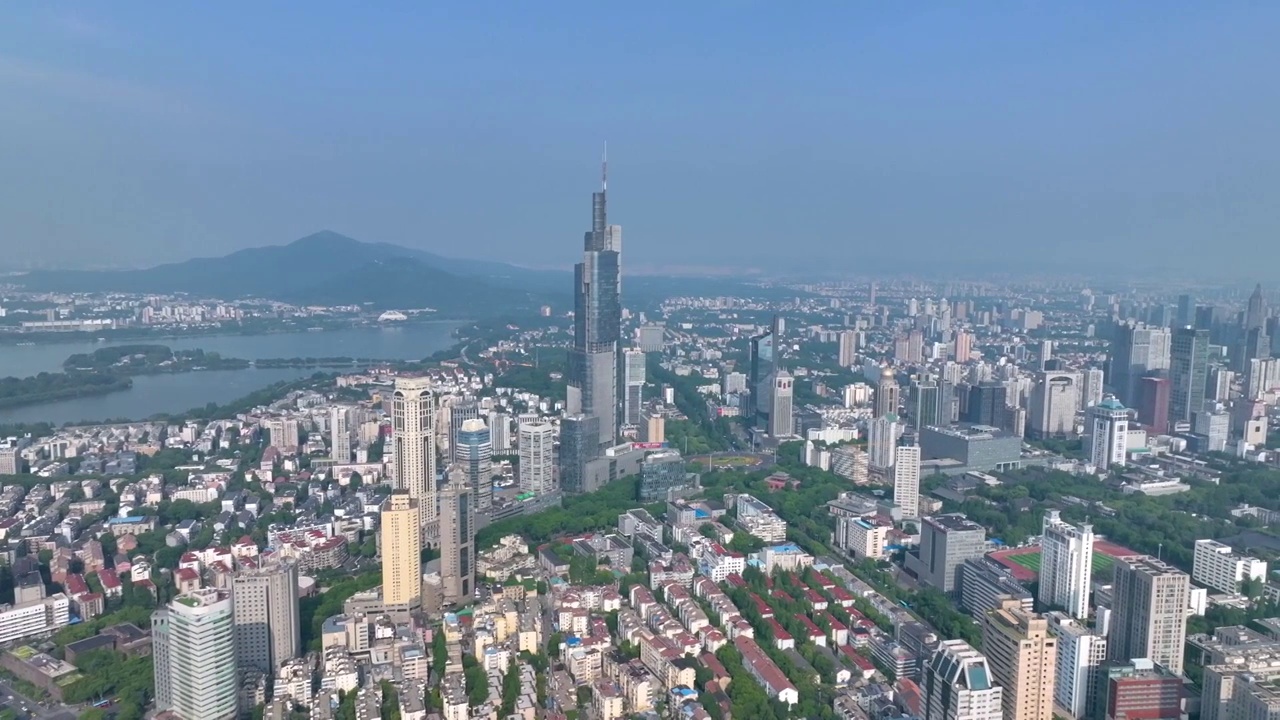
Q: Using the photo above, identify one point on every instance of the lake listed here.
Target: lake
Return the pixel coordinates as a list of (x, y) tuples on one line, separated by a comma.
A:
[(153, 394)]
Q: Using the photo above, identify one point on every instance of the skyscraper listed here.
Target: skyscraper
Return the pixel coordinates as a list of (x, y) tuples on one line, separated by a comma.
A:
[(194, 648), (958, 685), (413, 418), (946, 541), (987, 405), (1188, 373), (1149, 612), (906, 480), (594, 375), (1066, 565), (401, 551), (1091, 391), (887, 392), (1106, 434), (474, 455), (1135, 351), (339, 435), (500, 432), (1023, 657), (1081, 652), (763, 362), (579, 441), (1153, 404), (963, 346), (925, 407), (781, 417), (882, 437), (1186, 311), (461, 409), (848, 349), (1054, 401), (536, 443), (284, 432), (265, 604), (633, 395), (457, 538)]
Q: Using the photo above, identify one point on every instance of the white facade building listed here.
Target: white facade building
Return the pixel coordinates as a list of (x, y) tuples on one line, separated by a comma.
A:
[(1080, 652), (535, 445), (1216, 565), (1106, 434), (1066, 565), (195, 657), (906, 480)]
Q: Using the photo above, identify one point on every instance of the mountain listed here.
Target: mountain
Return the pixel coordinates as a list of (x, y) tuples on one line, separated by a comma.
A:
[(326, 268)]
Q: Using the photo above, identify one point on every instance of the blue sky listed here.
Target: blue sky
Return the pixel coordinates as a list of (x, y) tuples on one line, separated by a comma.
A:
[(849, 135)]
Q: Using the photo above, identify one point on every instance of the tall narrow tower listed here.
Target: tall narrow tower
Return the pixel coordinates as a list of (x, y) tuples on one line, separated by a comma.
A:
[(457, 538), (413, 417), (594, 361)]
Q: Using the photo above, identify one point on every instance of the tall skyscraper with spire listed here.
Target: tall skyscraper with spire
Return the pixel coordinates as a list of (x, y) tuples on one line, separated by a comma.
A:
[(594, 360)]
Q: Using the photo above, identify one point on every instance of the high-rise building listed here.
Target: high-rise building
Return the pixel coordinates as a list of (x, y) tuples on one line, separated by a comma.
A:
[(882, 438), (925, 407), (401, 551), (906, 480), (946, 541), (987, 405), (848, 349), (887, 393), (654, 428), (649, 338), (339, 435), (915, 346), (457, 538), (764, 356), (1081, 652), (1054, 401), (1066, 565), (781, 417), (473, 454), (1106, 434), (1220, 380), (1153, 405), (265, 605), (963, 345), (284, 433), (1135, 351), (1186, 311), (536, 443), (1023, 658), (633, 390), (958, 685), (579, 445), (1188, 373), (593, 373), (193, 645), (413, 418), (1214, 427), (1046, 353), (660, 473), (461, 409), (1149, 612), (500, 433), (1091, 391)]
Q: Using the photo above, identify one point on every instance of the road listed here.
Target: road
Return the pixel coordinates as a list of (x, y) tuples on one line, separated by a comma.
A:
[(25, 707)]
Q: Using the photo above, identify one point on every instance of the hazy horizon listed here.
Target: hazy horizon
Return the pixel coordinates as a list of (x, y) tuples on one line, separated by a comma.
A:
[(741, 135)]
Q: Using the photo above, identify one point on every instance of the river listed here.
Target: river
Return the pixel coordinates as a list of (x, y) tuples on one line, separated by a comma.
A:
[(153, 394)]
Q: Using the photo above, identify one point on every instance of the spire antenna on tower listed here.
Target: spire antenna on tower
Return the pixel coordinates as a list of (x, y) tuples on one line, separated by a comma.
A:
[(604, 167)]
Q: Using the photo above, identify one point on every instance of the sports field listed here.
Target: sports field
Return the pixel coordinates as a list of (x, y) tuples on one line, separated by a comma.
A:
[(1102, 562)]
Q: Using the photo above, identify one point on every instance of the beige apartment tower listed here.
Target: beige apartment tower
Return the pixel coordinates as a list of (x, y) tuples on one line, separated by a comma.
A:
[(1024, 660), (401, 552), (457, 539), (413, 420), (267, 626), (1149, 612)]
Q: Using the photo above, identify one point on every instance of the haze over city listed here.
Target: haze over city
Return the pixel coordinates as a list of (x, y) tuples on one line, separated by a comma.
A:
[(1084, 136)]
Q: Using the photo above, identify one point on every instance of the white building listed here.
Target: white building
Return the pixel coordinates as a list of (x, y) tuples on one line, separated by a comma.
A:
[(413, 439), (1081, 652), (1106, 434), (861, 538), (760, 520), (193, 641), (339, 436), (1066, 565), (1216, 565), (34, 618), (850, 463), (1091, 390), (536, 442), (781, 413), (906, 480), (958, 685), (1216, 427), (882, 437)]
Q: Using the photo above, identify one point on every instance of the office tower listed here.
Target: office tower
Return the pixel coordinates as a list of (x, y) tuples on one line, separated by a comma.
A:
[(963, 346), (1046, 353), (1136, 351), (536, 457), (1218, 566), (1186, 312), (1023, 657), (593, 373), (1261, 377), (1149, 612), (457, 538), (473, 454), (1091, 389), (579, 445), (500, 433), (763, 361), (906, 480), (284, 433), (339, 436), (1106, 434), (1214, 426), (1054, 401), (461, 409), (1255, 315), (1066, 565), (401, 551), (264, 601), (633, 391), (987, 405), (847, 353), (915, 346), (1081, 652), (660, 473), (413, 418), (882, 438), (194, 650), (887, 393), (925, 404), (958, 685), (1153, 404), (1188, 373), (781, 417), (946, 541)]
